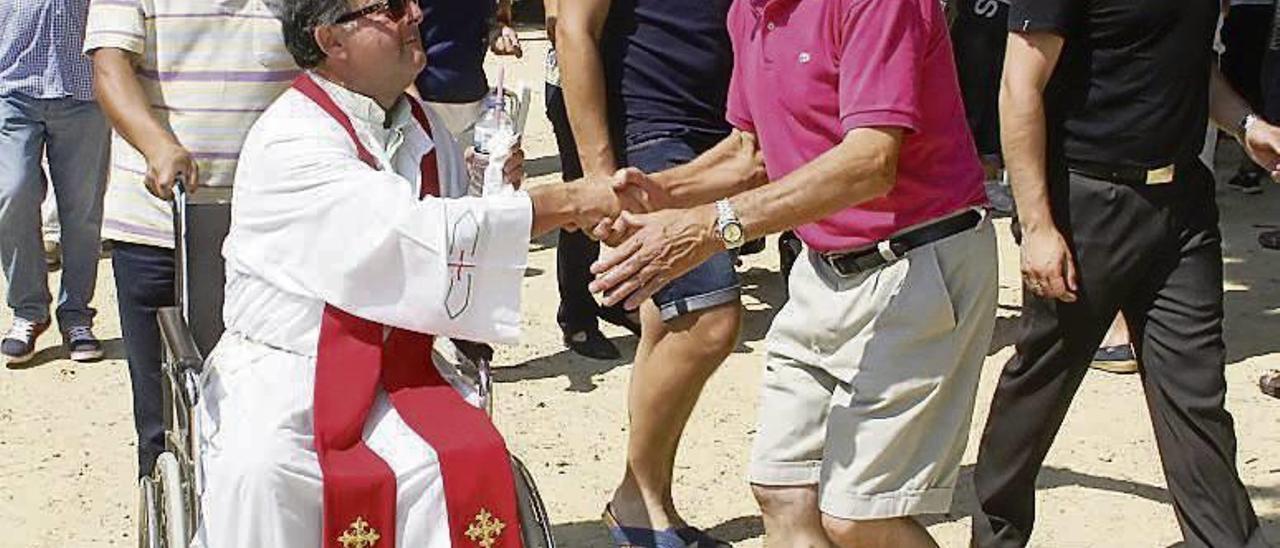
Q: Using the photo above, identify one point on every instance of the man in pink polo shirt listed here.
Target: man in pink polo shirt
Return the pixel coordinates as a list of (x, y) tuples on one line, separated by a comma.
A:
[(851, 108)]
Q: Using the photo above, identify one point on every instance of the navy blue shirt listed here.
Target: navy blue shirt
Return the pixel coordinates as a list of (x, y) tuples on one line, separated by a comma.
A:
[(667, 65), (455, 34)]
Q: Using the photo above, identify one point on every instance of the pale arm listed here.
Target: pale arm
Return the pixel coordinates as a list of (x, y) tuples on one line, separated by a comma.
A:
[(1048, 267), (666, 244), (1261, 141), (579, 30), (1029, 63)]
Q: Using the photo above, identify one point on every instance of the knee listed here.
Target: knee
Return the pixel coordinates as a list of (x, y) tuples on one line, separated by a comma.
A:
[(252, 471), (786, 503), (716, 331)]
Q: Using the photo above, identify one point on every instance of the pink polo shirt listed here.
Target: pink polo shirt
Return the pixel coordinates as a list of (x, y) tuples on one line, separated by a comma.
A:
[(806, 72)]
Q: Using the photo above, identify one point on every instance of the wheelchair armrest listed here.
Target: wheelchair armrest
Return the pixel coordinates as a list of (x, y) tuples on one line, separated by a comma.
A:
[(178, 340), (478, 356)]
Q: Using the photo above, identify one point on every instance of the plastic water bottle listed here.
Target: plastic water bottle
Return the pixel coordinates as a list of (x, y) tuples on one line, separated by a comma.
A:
[(494, 121), (495, 134)]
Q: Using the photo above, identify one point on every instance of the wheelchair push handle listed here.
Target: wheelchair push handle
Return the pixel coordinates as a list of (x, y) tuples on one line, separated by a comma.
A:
[(177, 338)]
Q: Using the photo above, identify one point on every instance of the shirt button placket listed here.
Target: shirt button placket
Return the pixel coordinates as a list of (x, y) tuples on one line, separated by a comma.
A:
[(769, 28)]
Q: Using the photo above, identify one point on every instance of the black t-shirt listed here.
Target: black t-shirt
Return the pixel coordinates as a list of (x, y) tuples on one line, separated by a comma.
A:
[(667, 65), (1132, 85)]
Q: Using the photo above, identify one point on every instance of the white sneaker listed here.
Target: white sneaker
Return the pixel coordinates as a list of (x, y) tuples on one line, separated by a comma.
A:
[(19, 344)]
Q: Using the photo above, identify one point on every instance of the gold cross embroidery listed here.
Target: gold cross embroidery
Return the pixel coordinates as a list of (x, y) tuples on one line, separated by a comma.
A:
[(484, 530), (359, 535)]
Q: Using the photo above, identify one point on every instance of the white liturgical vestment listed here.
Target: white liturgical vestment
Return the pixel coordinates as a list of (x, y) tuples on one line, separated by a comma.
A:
[(313, 224)]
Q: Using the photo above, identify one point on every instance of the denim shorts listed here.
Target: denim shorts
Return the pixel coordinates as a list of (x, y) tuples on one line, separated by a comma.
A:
[(714, 282)]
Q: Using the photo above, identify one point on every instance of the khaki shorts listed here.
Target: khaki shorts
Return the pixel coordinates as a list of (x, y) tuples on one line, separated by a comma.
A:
[(869, 381)]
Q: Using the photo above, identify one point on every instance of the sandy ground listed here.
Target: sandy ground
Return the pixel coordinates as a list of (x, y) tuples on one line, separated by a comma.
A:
[(67, 440)]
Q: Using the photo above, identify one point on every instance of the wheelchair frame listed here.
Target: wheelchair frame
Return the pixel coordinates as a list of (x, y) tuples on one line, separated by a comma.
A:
[(169, 497), (173, 488)]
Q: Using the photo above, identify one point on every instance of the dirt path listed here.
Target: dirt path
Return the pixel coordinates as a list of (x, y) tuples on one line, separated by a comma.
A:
[(67, 449)]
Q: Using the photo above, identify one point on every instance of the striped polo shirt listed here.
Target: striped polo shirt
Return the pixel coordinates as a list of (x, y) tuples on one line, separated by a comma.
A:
[(209, 68)]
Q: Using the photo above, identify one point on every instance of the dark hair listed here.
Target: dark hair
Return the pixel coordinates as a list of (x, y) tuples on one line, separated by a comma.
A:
[(299, 19)]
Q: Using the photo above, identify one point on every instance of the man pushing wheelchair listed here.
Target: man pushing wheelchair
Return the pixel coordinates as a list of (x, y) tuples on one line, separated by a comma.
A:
[(323, 419)]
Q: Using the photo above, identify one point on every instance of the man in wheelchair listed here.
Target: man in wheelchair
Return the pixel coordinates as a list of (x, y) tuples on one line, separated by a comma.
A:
[(323, 420)]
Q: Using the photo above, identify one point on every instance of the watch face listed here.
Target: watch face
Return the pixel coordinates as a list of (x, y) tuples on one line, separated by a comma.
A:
[(732, 233)]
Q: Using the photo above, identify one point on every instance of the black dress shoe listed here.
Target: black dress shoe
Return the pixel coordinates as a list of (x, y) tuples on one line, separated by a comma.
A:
[(592, 344), (1269, 239), (620, 318)]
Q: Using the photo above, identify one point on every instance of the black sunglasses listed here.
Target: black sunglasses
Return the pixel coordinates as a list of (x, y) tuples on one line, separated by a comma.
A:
[(396, 10)]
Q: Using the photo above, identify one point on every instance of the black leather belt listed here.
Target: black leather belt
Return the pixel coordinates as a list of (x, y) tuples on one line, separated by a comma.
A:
[(1123, 175), (852, 263)]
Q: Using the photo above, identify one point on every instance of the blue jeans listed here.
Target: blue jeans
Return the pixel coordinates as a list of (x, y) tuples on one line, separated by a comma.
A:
[(144, 283), (76, 138), (714, 282)]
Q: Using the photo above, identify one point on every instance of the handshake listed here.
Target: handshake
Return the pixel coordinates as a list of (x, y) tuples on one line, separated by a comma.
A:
[(652, 242), (608, 205)]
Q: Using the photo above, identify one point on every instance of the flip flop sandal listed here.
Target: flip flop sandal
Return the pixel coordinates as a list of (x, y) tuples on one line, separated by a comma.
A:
[(640, 537), (1115, 359), (699, 538)]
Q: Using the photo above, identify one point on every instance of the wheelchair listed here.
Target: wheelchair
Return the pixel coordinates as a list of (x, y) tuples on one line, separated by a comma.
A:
[(169, 497)]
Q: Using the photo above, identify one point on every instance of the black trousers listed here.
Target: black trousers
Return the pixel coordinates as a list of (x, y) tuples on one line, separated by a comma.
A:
[(1155, 253), (978, 39), (144, 283), (575, 251)]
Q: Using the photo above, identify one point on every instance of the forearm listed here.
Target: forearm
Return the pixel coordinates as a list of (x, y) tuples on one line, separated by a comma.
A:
[(551, 15), (1022, 138), (503, 14), (118, 91), (582, 74), (861, 168), (1226, 107), (735, 165), (555, 206)]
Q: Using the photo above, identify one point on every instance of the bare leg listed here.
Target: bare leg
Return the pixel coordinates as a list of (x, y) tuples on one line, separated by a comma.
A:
[(903, 532), (791, 517), (1118, 333), (673, 362)]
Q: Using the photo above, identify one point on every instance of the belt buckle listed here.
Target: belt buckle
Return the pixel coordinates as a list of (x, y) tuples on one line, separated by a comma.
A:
[(1160, 175), (833, 261)]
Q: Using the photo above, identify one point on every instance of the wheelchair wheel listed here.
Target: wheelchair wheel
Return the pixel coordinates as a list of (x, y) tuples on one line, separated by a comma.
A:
[(172, 501), (535, 526), (148, 515)]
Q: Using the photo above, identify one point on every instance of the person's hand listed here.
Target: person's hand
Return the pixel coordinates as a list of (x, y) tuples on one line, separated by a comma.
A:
[(595, 202), (1262, 143), (643, 191), (165, 165), (661, 246), (506, 42), (1048, 270), (512, 170), (640, 193)]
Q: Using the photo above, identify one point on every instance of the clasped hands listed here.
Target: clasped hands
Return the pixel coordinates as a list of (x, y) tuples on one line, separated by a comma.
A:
[(651, 241)]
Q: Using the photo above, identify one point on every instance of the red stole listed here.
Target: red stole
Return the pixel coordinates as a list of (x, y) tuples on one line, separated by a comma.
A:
[(355, 356)]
